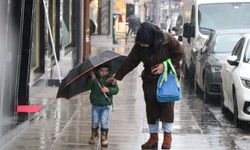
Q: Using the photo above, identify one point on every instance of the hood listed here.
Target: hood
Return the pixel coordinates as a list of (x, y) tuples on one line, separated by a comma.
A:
[(150, 34), (217, 59), (103, 65)]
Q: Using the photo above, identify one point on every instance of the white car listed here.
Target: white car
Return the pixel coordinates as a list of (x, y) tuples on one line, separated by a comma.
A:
[(236, 81)]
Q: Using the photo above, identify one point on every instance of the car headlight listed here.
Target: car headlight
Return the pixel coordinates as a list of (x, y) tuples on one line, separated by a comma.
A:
[(216, 69), (246, 82)]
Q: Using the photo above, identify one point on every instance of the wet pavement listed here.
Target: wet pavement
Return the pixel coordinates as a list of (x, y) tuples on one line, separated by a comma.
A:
[(65, 125)]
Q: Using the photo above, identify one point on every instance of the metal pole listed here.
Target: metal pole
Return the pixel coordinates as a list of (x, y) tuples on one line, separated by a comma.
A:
[(52, 41), (103, 93), (81, 29)]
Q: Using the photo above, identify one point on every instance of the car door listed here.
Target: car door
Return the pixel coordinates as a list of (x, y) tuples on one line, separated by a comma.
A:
[(230, 69), (200, 62), (189, 43)]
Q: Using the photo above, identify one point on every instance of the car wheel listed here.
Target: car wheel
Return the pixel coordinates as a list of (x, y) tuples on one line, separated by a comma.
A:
[(222, 106), (196, 86), (237, 123), (206, 97)]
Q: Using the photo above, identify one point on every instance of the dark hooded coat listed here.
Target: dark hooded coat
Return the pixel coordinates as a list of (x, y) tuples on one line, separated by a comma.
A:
[(162, 47)]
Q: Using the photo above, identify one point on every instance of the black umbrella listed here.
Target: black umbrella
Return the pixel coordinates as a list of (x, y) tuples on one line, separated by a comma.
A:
[(74, 82)]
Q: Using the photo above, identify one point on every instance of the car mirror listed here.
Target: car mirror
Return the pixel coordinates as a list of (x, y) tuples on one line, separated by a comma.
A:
[(188, 30), (175, 29), (180, 38), (204, 50), (233, 60)]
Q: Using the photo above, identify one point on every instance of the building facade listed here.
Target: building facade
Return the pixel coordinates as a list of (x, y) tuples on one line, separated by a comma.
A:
[(29, 31)]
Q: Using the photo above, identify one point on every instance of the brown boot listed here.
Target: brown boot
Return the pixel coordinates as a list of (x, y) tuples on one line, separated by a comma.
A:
[(104, 137), (167, 141), (94, 136), (152, 142)]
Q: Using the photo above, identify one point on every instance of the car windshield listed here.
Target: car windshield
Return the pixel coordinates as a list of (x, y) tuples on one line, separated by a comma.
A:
[(247, 53), (225, 43), (224, 16)]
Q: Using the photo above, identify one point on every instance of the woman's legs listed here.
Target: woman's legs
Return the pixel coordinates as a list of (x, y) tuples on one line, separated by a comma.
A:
[(167, 127), (156, 111), (153, 139), (154, 128), (167, 138)]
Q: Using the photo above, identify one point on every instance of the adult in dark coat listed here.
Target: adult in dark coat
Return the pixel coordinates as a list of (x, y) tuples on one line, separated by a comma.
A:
[(152, 48)]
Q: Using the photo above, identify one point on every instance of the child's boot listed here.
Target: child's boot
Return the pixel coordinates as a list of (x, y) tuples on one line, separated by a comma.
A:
[(94, 136), (104, 137)]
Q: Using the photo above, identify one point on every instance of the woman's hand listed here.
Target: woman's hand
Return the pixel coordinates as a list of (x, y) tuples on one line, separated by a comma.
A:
[(112, 80), (105, 90), (92, 74), (158, 69)]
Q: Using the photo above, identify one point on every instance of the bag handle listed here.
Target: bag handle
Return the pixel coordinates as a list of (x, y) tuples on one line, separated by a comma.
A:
[(165, 72)]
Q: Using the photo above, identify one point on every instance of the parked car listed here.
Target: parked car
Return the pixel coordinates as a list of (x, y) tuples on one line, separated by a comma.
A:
[(175, 25), (236, 81), (209, 15), (209, 60)]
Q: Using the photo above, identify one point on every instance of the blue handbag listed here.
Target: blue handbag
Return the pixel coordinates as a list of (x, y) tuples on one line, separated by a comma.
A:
[(168, 86)]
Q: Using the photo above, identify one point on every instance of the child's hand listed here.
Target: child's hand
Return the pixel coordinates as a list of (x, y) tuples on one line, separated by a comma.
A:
[(112, 80), (105, 90), (92, 74)]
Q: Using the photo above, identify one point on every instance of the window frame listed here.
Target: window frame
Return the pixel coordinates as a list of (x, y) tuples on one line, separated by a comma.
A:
[(239, 48)]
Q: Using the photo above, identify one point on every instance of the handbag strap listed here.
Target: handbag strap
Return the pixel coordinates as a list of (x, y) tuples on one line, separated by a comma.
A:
[(165, 72)]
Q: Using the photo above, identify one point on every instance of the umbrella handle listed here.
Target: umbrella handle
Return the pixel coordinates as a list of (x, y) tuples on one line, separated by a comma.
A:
[(103, 93)]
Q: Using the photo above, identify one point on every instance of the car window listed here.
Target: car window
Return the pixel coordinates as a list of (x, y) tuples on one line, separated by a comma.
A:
[(236, 46), (238, 49), (247, 53), (208, 42), (224, 43), (213, 16)]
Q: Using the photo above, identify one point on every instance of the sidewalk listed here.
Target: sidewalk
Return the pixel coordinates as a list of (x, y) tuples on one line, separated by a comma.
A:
[(66, 125)]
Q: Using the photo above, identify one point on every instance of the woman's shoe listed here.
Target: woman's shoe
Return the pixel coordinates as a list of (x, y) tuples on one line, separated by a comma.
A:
[(94, 136), (152, 142), (167, 141)]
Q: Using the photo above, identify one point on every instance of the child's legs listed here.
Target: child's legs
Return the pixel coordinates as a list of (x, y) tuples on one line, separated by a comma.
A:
[(105, 117), (96, 114)]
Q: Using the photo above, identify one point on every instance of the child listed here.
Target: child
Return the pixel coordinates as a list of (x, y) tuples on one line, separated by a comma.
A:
[(101, 99)]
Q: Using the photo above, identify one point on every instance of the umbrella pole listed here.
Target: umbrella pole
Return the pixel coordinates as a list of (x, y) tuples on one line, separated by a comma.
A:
[(52, 41), (105, 95)]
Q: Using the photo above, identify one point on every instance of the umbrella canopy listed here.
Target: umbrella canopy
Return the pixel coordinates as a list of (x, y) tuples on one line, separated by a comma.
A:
[(74, 82)]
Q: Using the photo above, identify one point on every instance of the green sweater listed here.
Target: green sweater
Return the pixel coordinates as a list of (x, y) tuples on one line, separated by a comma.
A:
[(96, 95)]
